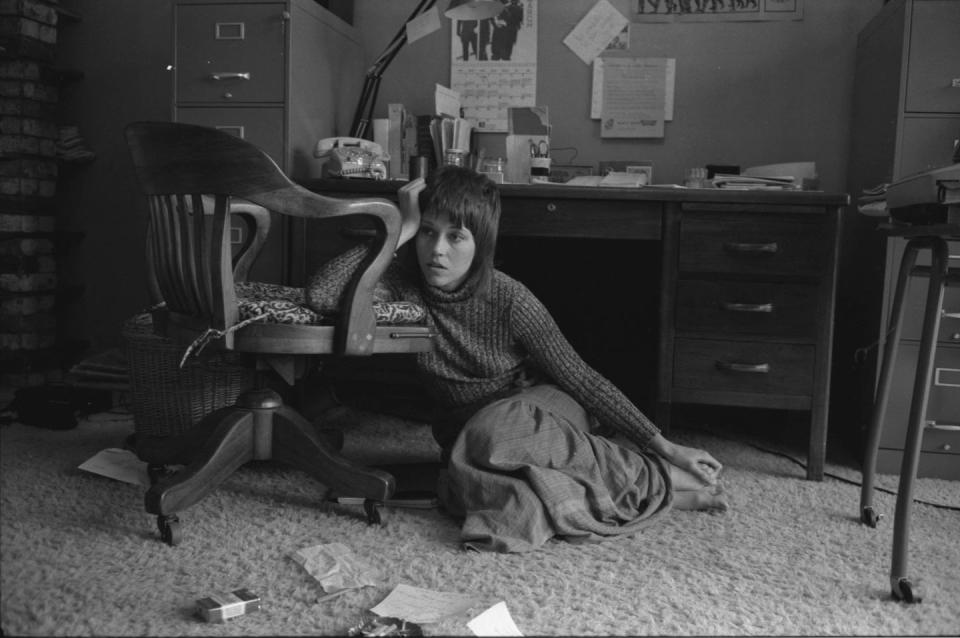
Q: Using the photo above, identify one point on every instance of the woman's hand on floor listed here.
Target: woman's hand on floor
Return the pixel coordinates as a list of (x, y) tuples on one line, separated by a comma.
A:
[(698, 462)]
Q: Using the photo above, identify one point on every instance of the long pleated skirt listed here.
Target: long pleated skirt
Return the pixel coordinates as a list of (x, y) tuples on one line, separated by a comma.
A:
[(526, 469)]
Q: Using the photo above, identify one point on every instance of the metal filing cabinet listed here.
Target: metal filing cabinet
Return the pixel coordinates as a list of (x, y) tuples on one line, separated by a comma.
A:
[(279, 73), (905, 120)]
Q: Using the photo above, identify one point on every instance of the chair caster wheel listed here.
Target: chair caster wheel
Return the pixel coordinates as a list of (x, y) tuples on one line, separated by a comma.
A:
[(903, 591), (372, 509), (169, 526), (156, 472), (869, 517)]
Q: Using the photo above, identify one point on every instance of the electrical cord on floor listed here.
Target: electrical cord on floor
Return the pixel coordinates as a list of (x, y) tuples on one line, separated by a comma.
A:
[(952, 508), (842, 479)]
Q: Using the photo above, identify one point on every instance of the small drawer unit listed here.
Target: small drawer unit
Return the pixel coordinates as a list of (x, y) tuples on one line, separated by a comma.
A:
[(747, 308)]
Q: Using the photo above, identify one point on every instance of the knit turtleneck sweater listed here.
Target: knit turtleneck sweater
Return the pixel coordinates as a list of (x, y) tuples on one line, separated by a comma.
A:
[(489, 342)]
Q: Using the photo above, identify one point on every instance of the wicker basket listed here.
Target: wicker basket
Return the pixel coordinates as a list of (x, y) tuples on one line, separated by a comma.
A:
[(167, 400)]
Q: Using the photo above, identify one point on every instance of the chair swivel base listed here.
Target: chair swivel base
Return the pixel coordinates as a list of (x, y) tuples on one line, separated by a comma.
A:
[(258, 427)]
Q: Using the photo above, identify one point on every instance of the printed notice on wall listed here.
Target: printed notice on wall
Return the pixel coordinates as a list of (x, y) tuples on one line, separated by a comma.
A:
[(594, 33), (494, 64), (596, 91), (634, 97)]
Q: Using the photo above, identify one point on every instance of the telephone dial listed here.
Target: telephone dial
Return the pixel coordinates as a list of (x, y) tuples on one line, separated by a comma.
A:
[(352, 157)]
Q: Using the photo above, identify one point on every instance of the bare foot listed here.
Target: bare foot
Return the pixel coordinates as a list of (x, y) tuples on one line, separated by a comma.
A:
[(710, 498)]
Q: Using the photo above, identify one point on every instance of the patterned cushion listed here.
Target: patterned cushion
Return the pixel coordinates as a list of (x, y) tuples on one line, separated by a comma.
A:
[(284, 304)]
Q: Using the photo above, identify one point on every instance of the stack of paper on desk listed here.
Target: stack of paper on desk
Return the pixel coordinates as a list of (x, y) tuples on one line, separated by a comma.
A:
[(745, 182)]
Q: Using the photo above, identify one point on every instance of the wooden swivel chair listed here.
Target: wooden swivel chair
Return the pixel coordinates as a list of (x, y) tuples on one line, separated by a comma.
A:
[(194, 177)]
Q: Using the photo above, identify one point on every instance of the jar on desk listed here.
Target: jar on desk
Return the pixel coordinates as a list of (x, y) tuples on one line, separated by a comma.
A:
[(495, 169)]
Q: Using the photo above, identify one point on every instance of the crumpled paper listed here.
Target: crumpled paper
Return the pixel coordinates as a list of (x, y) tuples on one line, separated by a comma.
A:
[(336, 567)]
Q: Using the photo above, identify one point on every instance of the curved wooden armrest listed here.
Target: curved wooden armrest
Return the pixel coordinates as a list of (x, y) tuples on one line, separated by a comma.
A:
[(356, 323)]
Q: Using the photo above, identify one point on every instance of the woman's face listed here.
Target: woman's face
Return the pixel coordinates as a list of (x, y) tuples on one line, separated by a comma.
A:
[(444, 251)]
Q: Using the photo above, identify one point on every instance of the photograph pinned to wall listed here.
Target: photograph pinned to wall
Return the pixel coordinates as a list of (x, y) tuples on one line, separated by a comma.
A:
[(717, 10), (493, 64)]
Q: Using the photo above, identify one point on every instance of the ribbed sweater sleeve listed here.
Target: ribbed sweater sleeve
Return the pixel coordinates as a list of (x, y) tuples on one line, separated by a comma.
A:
[(549, 350), (324, 290)]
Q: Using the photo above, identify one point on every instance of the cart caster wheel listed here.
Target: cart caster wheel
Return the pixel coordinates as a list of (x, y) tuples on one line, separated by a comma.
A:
[(372, 509), (869, 517), (169, 527), (903, 591)]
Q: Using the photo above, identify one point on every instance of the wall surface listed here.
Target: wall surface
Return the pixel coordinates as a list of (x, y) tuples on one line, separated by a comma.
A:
[(746, 93), (123, 49)]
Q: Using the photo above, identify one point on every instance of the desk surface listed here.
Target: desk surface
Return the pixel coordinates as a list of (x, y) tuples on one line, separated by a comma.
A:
[(600, 212), (646, 193)]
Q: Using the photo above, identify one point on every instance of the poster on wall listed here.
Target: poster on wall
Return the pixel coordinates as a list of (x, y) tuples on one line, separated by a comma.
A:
[(493, 64), (717, 10)]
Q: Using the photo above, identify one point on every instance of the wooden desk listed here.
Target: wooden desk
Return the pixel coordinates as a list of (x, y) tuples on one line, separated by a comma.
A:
[(746, 291)]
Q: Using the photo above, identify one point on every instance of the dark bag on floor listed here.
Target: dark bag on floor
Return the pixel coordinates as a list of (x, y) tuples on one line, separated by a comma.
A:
[(56, 407)]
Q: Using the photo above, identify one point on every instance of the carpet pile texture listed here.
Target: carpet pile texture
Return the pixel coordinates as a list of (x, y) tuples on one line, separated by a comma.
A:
[(81, 557)]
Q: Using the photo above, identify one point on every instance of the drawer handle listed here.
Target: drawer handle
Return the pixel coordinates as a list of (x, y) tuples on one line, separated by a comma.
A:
[(551, 207), (755, 368), (743, 247), (946, 427), (747, 307), (230, 76)]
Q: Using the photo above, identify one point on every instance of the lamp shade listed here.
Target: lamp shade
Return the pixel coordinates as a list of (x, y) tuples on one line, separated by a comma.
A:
[(473, 9)]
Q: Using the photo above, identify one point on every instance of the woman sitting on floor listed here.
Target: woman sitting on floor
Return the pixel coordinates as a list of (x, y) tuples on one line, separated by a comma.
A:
[(519, 410)]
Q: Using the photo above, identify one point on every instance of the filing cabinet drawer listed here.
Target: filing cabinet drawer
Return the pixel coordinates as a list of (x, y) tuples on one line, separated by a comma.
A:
[(916, 298), (743, 366), (744, 243), (932, 66), (230, 53), (262, 126), (756, 308), (943, 408)]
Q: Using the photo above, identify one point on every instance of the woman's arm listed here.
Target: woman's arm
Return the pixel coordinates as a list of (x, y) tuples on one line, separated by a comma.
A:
[(325, 288)]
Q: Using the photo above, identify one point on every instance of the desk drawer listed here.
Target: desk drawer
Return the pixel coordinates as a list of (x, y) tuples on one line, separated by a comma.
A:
[(580, 218), (745, 243), (755, 308), (230, 53), (743, 366)]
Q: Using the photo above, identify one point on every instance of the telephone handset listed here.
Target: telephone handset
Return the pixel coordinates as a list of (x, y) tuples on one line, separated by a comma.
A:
[(352, 157)]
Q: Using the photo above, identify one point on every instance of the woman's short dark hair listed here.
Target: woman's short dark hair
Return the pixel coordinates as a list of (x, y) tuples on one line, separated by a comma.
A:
[(470, 200)]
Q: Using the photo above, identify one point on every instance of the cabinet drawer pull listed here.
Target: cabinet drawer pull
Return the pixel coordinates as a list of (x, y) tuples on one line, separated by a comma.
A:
[(411, 335), (732, 366), (946, 427), (747, 307), (744, 247), (230, 76), (551, 207)]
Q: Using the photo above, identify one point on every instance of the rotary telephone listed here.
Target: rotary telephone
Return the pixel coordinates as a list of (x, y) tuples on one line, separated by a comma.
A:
[(352, 157)]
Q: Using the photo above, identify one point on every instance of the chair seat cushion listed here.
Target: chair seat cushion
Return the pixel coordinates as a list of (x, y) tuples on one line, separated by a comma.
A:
[(284, 304)]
